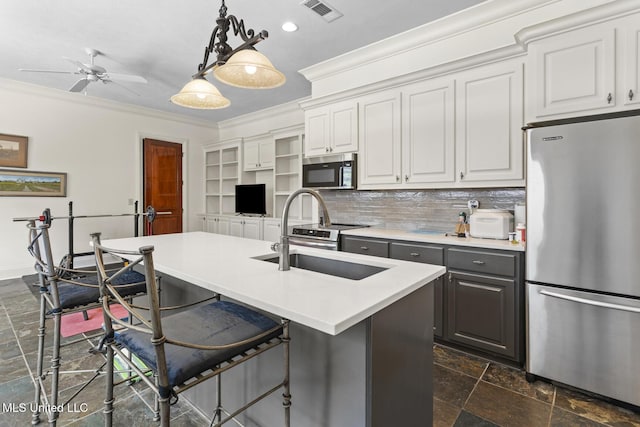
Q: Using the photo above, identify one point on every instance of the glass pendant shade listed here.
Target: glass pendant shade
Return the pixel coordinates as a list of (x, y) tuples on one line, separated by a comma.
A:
[(249, 69), (200, 94)]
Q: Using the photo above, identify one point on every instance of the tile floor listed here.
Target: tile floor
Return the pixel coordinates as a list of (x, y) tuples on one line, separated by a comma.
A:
[(468, 390)]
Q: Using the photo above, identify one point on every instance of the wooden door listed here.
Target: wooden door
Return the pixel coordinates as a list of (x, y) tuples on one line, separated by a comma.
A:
[(163, 184)]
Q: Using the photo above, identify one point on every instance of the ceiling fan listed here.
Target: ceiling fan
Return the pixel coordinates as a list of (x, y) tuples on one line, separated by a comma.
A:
[(93, 73)]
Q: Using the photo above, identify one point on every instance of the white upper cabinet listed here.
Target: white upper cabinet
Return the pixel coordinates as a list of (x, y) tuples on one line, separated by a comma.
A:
[(591, 70), (489, 119), (380, 159), (463, 130), (259, 153), (573, 72), (428, 132), (331, 129), (631, 62)]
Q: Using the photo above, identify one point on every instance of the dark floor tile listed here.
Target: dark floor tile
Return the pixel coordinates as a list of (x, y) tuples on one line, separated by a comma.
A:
[(514, 379), (507, 408), (16, 396), (9, 350), (562, 418), (444, 414), (189, 419), (19, 303), (466, 419), (595, 409), (452, 387), (13, 287), (459, 361), (6, 333), (13, 368)]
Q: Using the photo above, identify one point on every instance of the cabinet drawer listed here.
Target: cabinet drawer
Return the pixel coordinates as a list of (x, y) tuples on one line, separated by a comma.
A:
[(365, 246), (427, 254), (482, 262)]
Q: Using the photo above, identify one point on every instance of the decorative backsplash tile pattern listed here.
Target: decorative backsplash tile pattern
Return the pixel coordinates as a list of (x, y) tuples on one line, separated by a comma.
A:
[(435, 210)]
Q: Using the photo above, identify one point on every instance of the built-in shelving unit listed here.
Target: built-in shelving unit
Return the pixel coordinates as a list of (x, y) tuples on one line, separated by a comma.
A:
[(288, 176), (222, 172)]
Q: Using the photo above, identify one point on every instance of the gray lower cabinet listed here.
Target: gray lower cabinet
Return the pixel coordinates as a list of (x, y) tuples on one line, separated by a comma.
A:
[(428, 254), (485, 301), (478, 304), (365, 246)]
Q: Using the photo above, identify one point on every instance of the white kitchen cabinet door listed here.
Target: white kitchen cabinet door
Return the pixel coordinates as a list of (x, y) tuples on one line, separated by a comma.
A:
[(331, 129), (573, 72), (631, 69), (271, 230), (316, 124), (236, 227), (489, 118), (428, 132), (259, 154), (380, 141), (344, 127), (252, 228)]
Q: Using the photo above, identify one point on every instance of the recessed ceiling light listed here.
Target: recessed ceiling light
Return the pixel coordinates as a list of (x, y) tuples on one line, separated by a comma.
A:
[(289, 27)]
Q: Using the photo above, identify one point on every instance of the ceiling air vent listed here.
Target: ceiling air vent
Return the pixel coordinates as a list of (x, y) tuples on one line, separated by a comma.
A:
[(322, 8)]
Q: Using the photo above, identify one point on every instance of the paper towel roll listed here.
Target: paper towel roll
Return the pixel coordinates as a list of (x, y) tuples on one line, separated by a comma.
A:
[(519, 213)]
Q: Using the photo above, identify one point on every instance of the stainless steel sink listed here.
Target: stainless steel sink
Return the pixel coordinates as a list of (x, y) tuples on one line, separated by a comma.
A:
[(334, 267)]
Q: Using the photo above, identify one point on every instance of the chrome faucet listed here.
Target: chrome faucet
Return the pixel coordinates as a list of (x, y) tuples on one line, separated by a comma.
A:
[(282, 247)]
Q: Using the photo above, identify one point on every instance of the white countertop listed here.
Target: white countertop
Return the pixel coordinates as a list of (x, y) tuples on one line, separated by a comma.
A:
[(430, 237), (225, 264)]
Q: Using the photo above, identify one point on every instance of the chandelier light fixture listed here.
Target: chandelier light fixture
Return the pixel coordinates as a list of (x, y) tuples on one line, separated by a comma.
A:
[(242, 67)]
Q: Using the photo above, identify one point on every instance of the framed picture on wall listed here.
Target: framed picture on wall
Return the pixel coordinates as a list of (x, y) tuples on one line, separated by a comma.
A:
[(13, 151), (30, 183)]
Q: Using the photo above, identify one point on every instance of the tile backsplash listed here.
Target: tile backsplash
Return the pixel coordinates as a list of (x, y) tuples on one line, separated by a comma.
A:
[(435, 210)]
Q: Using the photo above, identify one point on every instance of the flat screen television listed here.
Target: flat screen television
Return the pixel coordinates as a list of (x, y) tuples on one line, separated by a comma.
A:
[(251, 199)]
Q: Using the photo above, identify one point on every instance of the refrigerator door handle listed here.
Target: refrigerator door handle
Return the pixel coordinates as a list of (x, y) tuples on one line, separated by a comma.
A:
[(591, 302)]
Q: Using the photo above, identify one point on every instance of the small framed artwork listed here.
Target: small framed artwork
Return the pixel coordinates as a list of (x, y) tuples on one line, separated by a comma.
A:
[(34, 184), (13, 151)]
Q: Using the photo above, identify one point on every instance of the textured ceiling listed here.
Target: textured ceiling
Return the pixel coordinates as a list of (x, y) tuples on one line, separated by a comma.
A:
[(164, 41)]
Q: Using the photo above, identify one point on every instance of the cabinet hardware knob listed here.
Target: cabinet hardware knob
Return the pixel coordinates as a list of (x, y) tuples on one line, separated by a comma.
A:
[(364, 248), (397, 178), (609, 98), (414, 254), (450, 277), (475, 261), (461, 175), (326, 149), (406, 178), (631, 94)]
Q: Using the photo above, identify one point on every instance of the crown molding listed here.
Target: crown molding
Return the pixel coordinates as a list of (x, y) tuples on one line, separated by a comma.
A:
[(595, 15), (65, 96), (481, 15), (264, 114)]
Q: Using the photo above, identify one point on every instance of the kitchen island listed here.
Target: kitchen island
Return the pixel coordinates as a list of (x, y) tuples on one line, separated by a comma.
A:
[(361, 349)]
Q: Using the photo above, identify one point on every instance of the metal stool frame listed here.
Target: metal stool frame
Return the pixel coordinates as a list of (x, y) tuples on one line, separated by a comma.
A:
[(50, 275), (163, 391)]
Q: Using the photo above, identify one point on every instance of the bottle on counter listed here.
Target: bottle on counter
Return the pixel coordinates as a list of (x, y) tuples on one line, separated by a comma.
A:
[(521, 229)]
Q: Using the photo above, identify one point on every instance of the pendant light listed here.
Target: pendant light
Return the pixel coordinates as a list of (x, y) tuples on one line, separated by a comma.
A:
[(242, 67)]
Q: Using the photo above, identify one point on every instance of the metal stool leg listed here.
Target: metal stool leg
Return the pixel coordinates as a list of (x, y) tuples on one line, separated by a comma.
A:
[(55, 367), (108, 400), (286, 394), (35, 418)]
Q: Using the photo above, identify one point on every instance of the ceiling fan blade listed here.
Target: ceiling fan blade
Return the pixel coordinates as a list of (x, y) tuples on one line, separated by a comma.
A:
[(79, 85), (47, 71), (79, 64), (124, 78)]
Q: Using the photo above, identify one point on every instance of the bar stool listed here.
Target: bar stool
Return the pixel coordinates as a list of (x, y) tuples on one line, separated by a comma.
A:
[(179, 354), (64, 291)]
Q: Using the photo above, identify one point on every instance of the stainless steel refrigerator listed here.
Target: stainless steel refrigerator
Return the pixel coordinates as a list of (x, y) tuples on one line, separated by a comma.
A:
[(583, 253)]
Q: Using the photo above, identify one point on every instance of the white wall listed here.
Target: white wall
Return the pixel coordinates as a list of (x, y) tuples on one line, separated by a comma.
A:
[(98, 144)]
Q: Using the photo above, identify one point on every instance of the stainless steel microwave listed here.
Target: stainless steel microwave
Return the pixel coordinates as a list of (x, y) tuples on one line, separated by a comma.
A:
[(331, 172)]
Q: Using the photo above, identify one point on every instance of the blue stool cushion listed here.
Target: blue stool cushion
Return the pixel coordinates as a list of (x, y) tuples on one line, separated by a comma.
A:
[(72, 296), (217, 323)]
